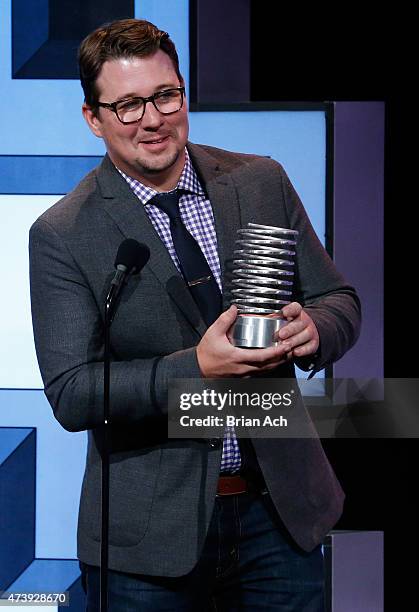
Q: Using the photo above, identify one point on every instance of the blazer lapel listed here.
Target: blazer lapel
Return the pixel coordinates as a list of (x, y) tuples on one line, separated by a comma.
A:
[(221, 190), (129, 215)]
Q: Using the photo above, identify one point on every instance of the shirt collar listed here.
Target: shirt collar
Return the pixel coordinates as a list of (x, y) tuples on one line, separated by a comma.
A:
[(188, 182)]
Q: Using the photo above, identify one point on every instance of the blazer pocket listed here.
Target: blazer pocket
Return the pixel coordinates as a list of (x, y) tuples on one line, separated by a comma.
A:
[(131, 491)]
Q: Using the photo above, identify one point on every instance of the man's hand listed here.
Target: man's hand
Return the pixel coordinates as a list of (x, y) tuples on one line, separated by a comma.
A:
[(300, 333), (218, 358)]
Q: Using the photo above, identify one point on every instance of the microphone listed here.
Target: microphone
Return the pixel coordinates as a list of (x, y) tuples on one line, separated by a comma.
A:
[(130, 259)]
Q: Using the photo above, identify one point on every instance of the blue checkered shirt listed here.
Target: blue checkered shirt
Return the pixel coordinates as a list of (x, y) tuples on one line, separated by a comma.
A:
[(197, 216)]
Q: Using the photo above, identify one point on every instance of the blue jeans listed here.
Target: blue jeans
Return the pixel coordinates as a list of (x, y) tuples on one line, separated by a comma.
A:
[(249, 563)]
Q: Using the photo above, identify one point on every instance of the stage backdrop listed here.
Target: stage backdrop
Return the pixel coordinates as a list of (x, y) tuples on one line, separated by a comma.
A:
[(45, 149)]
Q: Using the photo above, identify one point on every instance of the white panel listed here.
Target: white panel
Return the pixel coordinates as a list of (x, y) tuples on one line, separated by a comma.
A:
[(18, 365)]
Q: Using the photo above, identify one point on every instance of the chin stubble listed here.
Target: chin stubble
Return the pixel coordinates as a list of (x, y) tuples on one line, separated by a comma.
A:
[(150, 168)]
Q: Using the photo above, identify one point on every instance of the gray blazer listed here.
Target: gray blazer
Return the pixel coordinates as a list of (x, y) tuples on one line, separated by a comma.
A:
[(162, 491)]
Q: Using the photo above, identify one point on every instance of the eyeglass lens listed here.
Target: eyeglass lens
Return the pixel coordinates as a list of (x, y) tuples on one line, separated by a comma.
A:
[(166, 102)]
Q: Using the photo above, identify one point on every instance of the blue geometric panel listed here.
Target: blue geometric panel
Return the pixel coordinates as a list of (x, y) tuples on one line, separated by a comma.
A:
[(60, 462), (77, 597), (10, 440), (52, 575), (43, 174), (17, 495), (47, 33), (19, 570), (35, 15)]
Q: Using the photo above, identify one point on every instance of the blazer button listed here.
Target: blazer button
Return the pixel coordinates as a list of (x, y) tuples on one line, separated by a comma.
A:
[(214, 442)]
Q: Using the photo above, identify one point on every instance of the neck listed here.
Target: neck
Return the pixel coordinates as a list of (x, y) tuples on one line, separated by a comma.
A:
[(159, 184)]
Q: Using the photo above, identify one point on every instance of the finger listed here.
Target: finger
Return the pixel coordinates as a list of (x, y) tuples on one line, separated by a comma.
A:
[(288, 357), (249, 370), (264, 355), (292, 328), (301, 338), (268, 367), (283, 359), (272, 365), (291, 310), (306, 349)]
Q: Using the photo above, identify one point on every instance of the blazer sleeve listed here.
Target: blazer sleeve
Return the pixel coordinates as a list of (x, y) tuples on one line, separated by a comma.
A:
[(68, 333), (324, 293)]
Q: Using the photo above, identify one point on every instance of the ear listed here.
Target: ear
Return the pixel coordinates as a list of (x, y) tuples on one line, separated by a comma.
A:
[(92, 120)]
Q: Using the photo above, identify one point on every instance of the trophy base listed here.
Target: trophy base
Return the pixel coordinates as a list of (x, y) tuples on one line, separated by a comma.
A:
[(255, 331)]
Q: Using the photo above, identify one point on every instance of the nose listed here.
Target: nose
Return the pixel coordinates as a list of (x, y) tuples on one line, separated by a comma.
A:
[(152, 118)]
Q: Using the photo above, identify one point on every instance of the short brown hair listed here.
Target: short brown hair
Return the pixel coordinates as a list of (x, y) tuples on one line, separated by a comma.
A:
[(126, 38)]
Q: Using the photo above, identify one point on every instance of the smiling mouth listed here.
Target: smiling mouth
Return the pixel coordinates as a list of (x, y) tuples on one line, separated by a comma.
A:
[(152, 142)]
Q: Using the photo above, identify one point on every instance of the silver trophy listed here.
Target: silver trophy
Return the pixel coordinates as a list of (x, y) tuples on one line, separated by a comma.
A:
[(261, 283)]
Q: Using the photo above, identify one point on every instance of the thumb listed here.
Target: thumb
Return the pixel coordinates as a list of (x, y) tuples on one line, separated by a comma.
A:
[(225, 320)]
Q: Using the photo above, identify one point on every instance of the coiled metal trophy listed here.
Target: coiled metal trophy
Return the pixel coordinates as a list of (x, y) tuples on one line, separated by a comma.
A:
[(261, 283)]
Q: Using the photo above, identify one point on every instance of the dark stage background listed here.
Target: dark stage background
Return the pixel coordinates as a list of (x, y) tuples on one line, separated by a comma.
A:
[(357, 57)]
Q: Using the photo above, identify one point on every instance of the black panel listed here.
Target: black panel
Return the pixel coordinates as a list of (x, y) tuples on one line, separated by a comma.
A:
[(219, 37)]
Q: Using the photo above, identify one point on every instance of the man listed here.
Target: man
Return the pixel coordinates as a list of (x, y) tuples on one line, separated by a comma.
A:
[(193, 523)]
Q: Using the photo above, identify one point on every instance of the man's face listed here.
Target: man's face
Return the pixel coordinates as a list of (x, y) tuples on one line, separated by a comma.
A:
[(152, 150)]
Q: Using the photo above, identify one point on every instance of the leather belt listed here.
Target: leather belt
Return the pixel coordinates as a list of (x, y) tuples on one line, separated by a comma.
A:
[(232, 485)]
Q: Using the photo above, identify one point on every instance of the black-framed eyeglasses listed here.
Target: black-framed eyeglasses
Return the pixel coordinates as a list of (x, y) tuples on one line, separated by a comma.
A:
[(131, 110)]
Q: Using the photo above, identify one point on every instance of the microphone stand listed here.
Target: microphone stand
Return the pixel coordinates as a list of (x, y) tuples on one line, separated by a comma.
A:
[(111, 305), (105, 463), (132, 257)]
